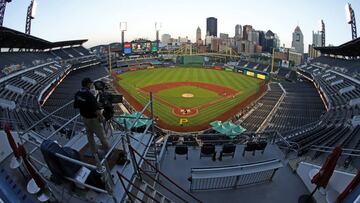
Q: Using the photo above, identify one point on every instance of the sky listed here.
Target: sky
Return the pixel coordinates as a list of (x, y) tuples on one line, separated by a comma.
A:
[(99, 21)]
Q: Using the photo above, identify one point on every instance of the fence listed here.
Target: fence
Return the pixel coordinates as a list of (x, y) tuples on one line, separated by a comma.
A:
[(231, 177)]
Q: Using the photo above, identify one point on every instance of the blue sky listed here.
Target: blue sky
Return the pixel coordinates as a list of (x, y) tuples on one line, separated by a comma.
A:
[(99, 21)]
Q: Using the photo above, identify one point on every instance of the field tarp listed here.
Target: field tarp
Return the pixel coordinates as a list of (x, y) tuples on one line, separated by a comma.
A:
[(130, 118), (227, 128)]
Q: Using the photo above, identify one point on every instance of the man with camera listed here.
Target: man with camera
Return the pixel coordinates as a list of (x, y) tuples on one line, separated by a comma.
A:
[(91, 114)]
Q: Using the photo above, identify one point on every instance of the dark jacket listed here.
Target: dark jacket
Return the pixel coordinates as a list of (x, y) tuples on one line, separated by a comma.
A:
[(86, 102)]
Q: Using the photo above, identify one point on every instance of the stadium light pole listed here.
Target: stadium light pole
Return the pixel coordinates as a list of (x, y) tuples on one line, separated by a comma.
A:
[(2, 10), (322, 31), (123, 28), (350, 18), (157, 29), (272, 60), (31, 11)]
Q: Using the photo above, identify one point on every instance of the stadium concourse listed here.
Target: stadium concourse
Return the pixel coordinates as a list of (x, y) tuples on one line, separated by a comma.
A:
[(291, 126)]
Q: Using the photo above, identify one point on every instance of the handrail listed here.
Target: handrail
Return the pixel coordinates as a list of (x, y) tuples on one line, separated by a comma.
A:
[(47, 116), (110, 150), (329, 151), (158, 182), (331, 148), (138, 188), (163, 148), (167, 178), (289, 144), (63, 126)]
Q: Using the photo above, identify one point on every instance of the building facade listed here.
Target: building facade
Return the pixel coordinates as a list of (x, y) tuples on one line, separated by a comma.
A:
[(246, 30), (238, 32), (298, 40), (211, 26), (165, 39), (316, 39), (198, 36)]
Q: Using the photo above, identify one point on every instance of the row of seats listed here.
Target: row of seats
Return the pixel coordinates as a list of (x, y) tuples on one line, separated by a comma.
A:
[(66, 90), (31, 83), (266, 104), (300, 106), (334, 126), (15, 61)]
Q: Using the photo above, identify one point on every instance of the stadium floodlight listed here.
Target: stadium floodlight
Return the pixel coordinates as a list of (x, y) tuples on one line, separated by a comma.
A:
[(2, 10), (321, 25), (158, 26), (33, 10), (348, 11), (123, 26)]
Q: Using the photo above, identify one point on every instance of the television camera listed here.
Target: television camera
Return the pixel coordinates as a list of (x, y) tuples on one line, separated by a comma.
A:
[(106, 99)]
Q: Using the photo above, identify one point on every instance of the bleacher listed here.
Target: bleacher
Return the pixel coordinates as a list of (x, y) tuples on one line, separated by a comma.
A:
[(256, 66), (66, 90), (335, 126), (301, 106), (266, 104), (23, 89)]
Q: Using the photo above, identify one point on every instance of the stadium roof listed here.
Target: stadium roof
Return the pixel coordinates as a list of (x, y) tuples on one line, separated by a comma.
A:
[(351, 48), (10, 38)]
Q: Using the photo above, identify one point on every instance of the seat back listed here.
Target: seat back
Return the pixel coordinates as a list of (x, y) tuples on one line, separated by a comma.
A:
[(208, 149), (181, 149), (251, 146), (229, 148), (261, 145)]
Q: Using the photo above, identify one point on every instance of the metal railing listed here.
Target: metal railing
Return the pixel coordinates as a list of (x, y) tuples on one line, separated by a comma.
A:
[(165, 177), (277, 138), (231, 177), (327, 149)]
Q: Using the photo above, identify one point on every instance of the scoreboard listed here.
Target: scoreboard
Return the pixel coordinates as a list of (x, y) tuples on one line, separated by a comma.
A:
[(139, 47)]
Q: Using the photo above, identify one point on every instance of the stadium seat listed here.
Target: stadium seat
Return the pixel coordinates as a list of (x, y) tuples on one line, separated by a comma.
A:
[(208, 150), (181, 150), (227, 150)]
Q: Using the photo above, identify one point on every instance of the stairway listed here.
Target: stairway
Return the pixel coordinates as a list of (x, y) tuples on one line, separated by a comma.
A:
[(150, 191)]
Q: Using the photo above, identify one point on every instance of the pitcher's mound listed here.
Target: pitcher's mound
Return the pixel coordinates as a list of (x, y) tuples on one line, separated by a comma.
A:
[(187, 95)]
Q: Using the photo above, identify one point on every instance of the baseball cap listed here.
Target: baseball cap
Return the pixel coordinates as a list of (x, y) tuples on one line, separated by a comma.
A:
[(86, 81)]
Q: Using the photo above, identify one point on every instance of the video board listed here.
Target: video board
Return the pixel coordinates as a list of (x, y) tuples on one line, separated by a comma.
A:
[(127, 48), (139, 47)]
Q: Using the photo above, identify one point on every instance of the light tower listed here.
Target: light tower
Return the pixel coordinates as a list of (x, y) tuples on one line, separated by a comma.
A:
[(123, 28), (2, 10), (157, 29), (31, 11), (322, 31), (350, 18)]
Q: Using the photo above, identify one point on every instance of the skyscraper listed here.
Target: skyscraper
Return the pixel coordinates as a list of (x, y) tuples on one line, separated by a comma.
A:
[(165, 38), (246, 30), (262, 39), (298, 40), (211, 26), (198, 36), (238, 31), (316, 39)]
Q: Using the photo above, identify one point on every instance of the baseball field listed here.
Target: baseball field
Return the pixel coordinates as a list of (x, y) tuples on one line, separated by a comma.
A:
[(189, 98)]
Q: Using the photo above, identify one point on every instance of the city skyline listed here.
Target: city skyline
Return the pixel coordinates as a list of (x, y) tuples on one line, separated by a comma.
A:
[(99, 22)]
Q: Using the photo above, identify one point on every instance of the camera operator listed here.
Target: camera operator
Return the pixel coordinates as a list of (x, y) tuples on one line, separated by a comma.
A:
[(91, 114)]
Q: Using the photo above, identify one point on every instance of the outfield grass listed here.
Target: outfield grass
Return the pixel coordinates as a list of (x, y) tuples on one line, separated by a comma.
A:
[(132, 81)]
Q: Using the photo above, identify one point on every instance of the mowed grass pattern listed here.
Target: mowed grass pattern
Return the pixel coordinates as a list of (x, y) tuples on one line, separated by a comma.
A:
[(132, 81)]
